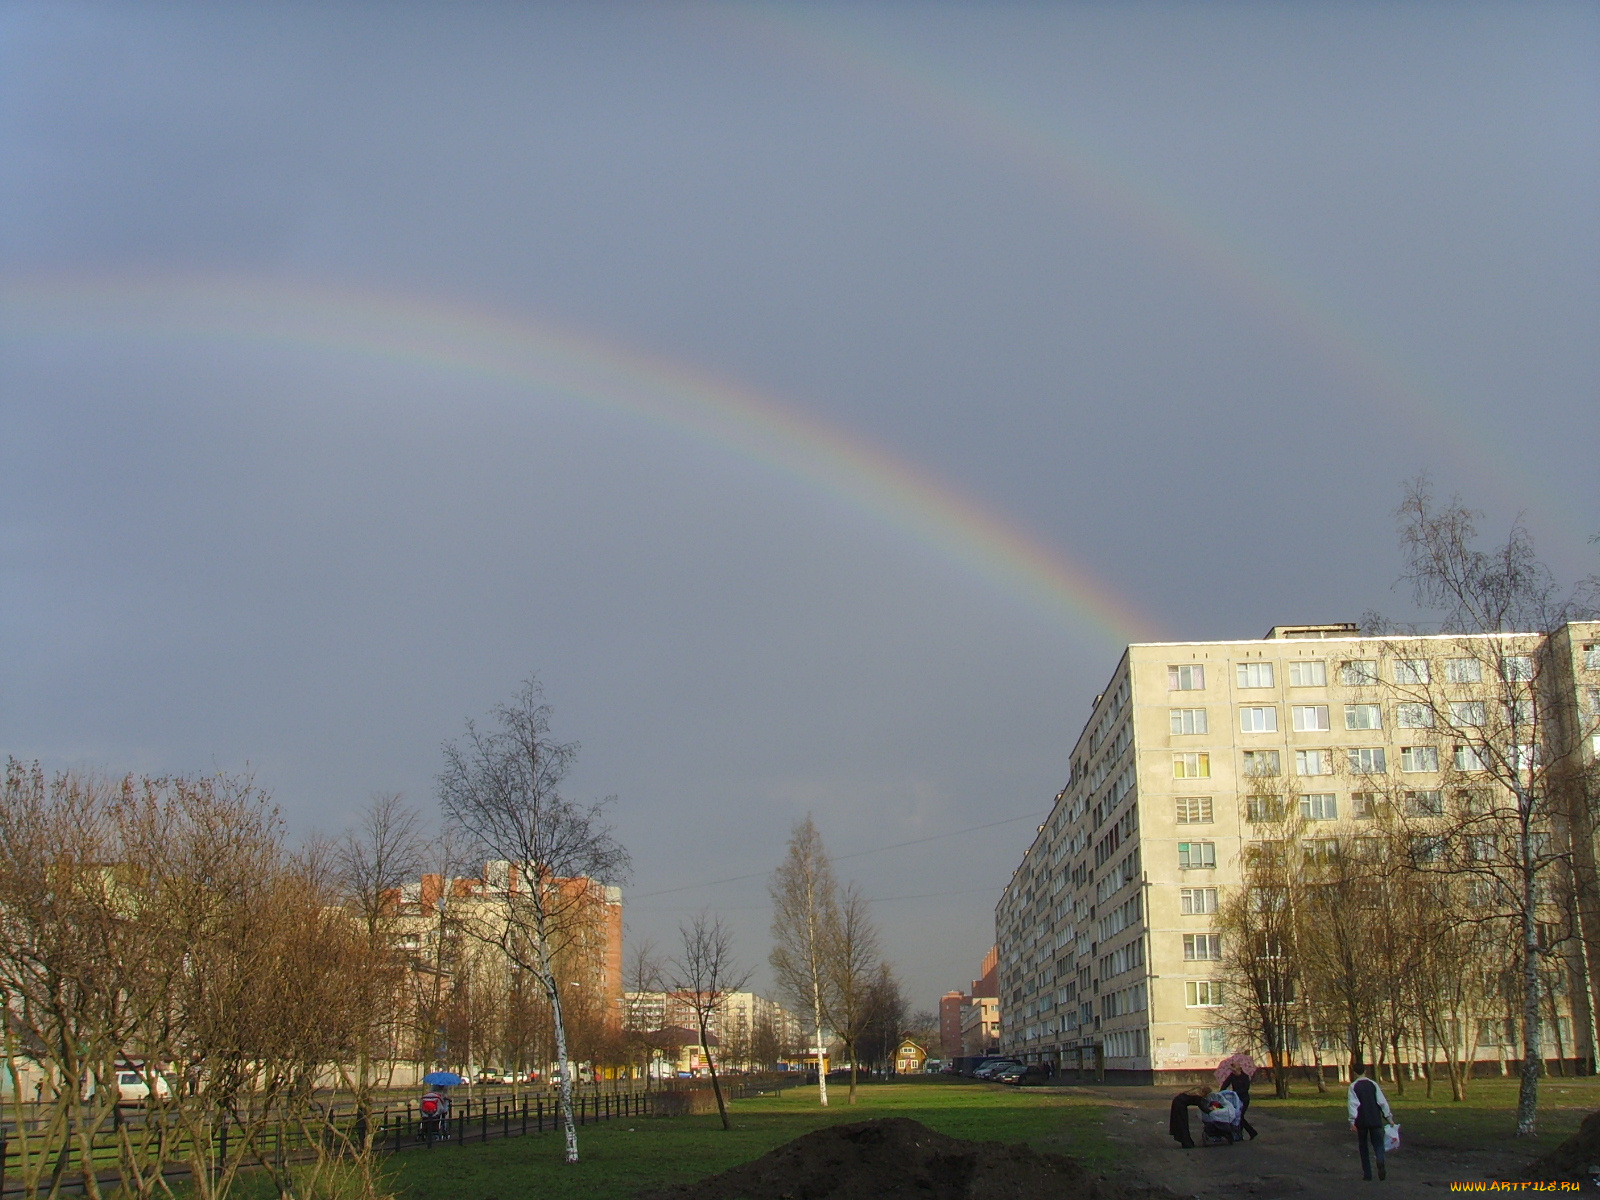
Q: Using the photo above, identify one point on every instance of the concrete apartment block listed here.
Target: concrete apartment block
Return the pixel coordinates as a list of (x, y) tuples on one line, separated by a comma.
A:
[(1104, 932)]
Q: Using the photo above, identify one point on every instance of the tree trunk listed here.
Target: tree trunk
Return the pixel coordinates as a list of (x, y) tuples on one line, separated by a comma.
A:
[(852, 1050), (563, 1065), (822, 1063), (1528, 1092), (711, 1062)]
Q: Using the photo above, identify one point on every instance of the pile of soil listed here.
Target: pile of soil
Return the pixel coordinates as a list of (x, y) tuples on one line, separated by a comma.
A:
[(1572, 1159), (893, 1158)]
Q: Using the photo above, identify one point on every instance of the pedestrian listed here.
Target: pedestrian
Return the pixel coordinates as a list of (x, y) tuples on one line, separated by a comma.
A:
[(1239, 1084), (1178, 1125), (1369, 1113)]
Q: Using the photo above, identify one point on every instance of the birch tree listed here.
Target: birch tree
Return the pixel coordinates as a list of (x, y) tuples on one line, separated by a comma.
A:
[(805, 912), (501, 787)]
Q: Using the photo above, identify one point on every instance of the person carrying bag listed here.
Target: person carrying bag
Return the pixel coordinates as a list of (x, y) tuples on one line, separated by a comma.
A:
[(1370, 1120)]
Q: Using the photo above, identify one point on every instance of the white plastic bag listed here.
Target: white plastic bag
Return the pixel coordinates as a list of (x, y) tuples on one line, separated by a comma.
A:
[(1391, 1138)]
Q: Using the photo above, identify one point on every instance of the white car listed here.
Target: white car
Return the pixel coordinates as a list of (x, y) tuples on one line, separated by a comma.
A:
[(134, 1088)]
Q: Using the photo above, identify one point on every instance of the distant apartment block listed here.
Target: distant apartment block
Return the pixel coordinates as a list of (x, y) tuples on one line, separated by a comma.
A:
[(1107, 955)]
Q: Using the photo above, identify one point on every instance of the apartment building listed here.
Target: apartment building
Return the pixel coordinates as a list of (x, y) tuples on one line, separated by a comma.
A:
[(1107, 955), (738, 1028)]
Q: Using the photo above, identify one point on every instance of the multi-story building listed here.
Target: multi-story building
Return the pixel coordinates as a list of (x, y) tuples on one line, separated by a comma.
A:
[(980, 1010), (738, 1028), (1107, 956)]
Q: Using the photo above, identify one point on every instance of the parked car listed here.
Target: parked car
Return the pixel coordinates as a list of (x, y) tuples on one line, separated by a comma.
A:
[(134, 1088), (1008, 1074), (987, 1070), (1033, 1075)]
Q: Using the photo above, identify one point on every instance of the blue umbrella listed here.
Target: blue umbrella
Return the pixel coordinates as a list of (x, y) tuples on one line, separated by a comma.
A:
[(442, 1079)]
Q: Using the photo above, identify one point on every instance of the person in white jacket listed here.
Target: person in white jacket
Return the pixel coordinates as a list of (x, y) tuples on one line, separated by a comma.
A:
[(1369, 1113)]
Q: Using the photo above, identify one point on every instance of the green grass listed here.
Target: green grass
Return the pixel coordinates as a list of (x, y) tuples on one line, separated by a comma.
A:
[(622, 1157), (1488, 1115)]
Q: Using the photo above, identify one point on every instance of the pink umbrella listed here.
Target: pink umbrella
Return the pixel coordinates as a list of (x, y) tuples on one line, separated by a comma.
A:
[(1235, 1062)]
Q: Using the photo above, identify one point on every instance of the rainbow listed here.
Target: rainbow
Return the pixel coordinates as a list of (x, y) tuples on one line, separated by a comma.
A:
[(1392, 393), (460, 340)]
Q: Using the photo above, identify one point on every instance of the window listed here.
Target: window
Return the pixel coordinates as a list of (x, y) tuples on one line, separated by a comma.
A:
[(1253, 674), (1591, 656), (1474, 802), (1363, 716), (1313, 762), (1413, 716), (1482, 848), (1518, 668), (1191, 766), (1189, 720), (1463, 670), (1311, 718), (1258, 720), (1425, 804), (1197, 856), (1359, 672), (1366, 806), (1194, 810), (1319, 806), (1469, 713), (1308, 673), (1203, 993), (1411, 670), (1368, 760), (1427, 850), (1519, 713), (1320, 850), (1419, 758), (1367, 849), (1188, 678), (1208, 1042), (1594, 701), (1524, 757), (1262, 764), (1261, 809), (1202, 947), (1468, 758), (1197, 902)]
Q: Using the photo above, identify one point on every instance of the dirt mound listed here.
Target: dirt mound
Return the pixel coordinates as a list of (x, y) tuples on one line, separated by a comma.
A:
[(894, 1157), (1572, 1159)]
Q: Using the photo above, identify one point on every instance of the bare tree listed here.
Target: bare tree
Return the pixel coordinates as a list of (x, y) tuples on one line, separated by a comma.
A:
[(502, 788), (1485, 707), (805, 912), (852, 969), (642, 976), (704, 974)]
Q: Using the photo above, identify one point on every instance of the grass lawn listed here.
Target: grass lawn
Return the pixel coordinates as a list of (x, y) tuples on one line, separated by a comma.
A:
[(1487, 1115), (621, 1157)]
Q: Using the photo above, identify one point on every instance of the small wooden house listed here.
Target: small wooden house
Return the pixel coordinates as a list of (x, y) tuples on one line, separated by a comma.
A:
[(909, 1057)]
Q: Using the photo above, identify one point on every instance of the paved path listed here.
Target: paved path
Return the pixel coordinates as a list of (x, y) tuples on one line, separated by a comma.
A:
[(1294, 1158)]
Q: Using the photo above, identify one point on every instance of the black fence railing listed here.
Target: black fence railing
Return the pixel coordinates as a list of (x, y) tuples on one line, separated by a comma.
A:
[(395, 1126)]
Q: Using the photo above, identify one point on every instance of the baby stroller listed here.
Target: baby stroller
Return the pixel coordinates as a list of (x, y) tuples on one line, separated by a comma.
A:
[(1219, 1119)]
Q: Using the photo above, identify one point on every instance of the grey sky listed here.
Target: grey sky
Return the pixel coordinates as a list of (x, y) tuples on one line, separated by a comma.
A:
[(1182, 291)]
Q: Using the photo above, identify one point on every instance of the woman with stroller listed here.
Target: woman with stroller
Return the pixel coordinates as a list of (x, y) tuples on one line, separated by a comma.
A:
[(1369, 1113), (1239, 1084)]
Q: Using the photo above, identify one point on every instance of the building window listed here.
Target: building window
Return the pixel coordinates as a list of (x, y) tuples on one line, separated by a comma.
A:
[(1203, 993), (1428, 803), (1262, 764), (1308, 673), (1258, 720), (1366, 806), (1197, 856), (1191, 677), (1191, 766), (1591, 656), (1467, 713), (1253, 674), (1189, 720), (1359, 672), (1594, 701), (1363, 716), (1194, 810), (1197, 902), (1320, 851), (1411, 670), (1368, 760), (1467, 758), (1517, 668), (1310, 718), (1313, 762), (1463, 670), (1524, 757), (1263, 809), (1426, 850), (1319, 806), (1419, 758), (1202, 947), (1206, 1043), (1413, 716)]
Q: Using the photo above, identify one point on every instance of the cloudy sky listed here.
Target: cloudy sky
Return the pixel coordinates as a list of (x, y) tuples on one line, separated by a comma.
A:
[(816, 398)]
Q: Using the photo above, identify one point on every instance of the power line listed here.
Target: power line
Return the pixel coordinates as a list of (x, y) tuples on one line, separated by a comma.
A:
[(689, 887)]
